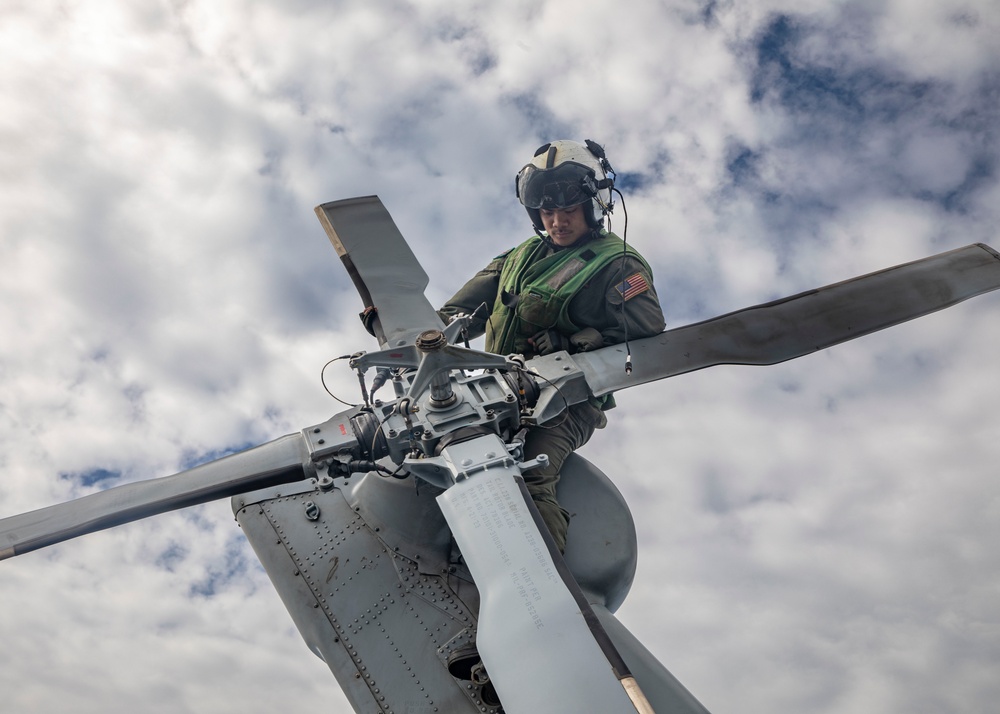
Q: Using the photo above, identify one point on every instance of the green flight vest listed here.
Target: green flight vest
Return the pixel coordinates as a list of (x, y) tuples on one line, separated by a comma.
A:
[(535, 293)]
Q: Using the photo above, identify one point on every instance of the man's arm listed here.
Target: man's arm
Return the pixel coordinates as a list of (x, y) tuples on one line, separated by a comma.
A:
[(482, 288), (619, 302)]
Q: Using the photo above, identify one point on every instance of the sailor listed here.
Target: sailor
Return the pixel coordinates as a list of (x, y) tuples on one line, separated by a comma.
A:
[(573, 286)]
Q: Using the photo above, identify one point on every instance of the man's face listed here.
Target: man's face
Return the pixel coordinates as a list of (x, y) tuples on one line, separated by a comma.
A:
[(565, 226)]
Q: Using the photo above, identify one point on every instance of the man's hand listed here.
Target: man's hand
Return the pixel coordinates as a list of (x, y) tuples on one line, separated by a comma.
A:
[(548, 341), (368, 317), (586, 340)]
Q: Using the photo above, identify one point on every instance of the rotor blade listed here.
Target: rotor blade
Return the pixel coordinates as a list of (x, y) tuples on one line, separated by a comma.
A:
[(665, 693), (801, 324), (279, 461), (382, 266), (543, 647)]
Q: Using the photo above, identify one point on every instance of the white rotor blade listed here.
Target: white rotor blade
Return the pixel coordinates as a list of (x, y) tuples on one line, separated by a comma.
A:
[(537, 645), (279, 461), (384, 269), (801, 324)]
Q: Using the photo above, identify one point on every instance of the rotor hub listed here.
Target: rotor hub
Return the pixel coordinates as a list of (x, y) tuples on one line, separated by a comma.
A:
[(431, 340)]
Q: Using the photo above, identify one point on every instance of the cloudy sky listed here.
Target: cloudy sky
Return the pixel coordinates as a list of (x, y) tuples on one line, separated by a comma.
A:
[(814, 537)]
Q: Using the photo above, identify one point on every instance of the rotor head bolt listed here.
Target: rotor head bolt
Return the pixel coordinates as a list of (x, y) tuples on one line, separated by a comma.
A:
[(326, 483), (430, 340)]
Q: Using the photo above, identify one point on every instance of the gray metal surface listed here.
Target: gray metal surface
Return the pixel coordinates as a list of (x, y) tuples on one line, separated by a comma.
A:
[(280, 461), (382, 266), (601, 548), (383, 616), (535, 642), (801, 324), (395, 528)]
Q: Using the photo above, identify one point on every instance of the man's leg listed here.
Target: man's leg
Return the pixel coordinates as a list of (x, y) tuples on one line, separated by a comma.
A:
[(557, 442)]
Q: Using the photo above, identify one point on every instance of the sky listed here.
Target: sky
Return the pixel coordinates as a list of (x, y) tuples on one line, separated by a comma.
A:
[(814, 536)]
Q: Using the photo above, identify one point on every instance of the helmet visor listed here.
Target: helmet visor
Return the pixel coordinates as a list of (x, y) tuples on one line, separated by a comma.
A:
[(562, 186)]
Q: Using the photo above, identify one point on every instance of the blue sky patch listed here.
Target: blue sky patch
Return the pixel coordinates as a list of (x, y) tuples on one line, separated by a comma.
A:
[(94, 477), (192, 459)]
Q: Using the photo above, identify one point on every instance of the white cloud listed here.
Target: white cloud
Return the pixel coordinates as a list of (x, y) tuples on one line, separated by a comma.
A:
[(821, 526)]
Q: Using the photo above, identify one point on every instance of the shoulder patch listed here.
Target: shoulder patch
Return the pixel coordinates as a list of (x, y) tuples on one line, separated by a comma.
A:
[(635, 284)]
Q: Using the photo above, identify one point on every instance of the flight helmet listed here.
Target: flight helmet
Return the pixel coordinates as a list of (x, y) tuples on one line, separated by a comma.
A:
[(563, 174)]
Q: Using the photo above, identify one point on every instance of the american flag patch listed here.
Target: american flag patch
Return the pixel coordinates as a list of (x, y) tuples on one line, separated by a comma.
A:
[(633, 285)]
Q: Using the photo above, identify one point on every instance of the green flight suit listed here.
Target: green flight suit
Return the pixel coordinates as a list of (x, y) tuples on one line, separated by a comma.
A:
[(594, 294)]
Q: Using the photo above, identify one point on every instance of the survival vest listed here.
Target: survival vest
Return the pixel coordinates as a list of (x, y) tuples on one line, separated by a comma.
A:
[(535, 291)]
